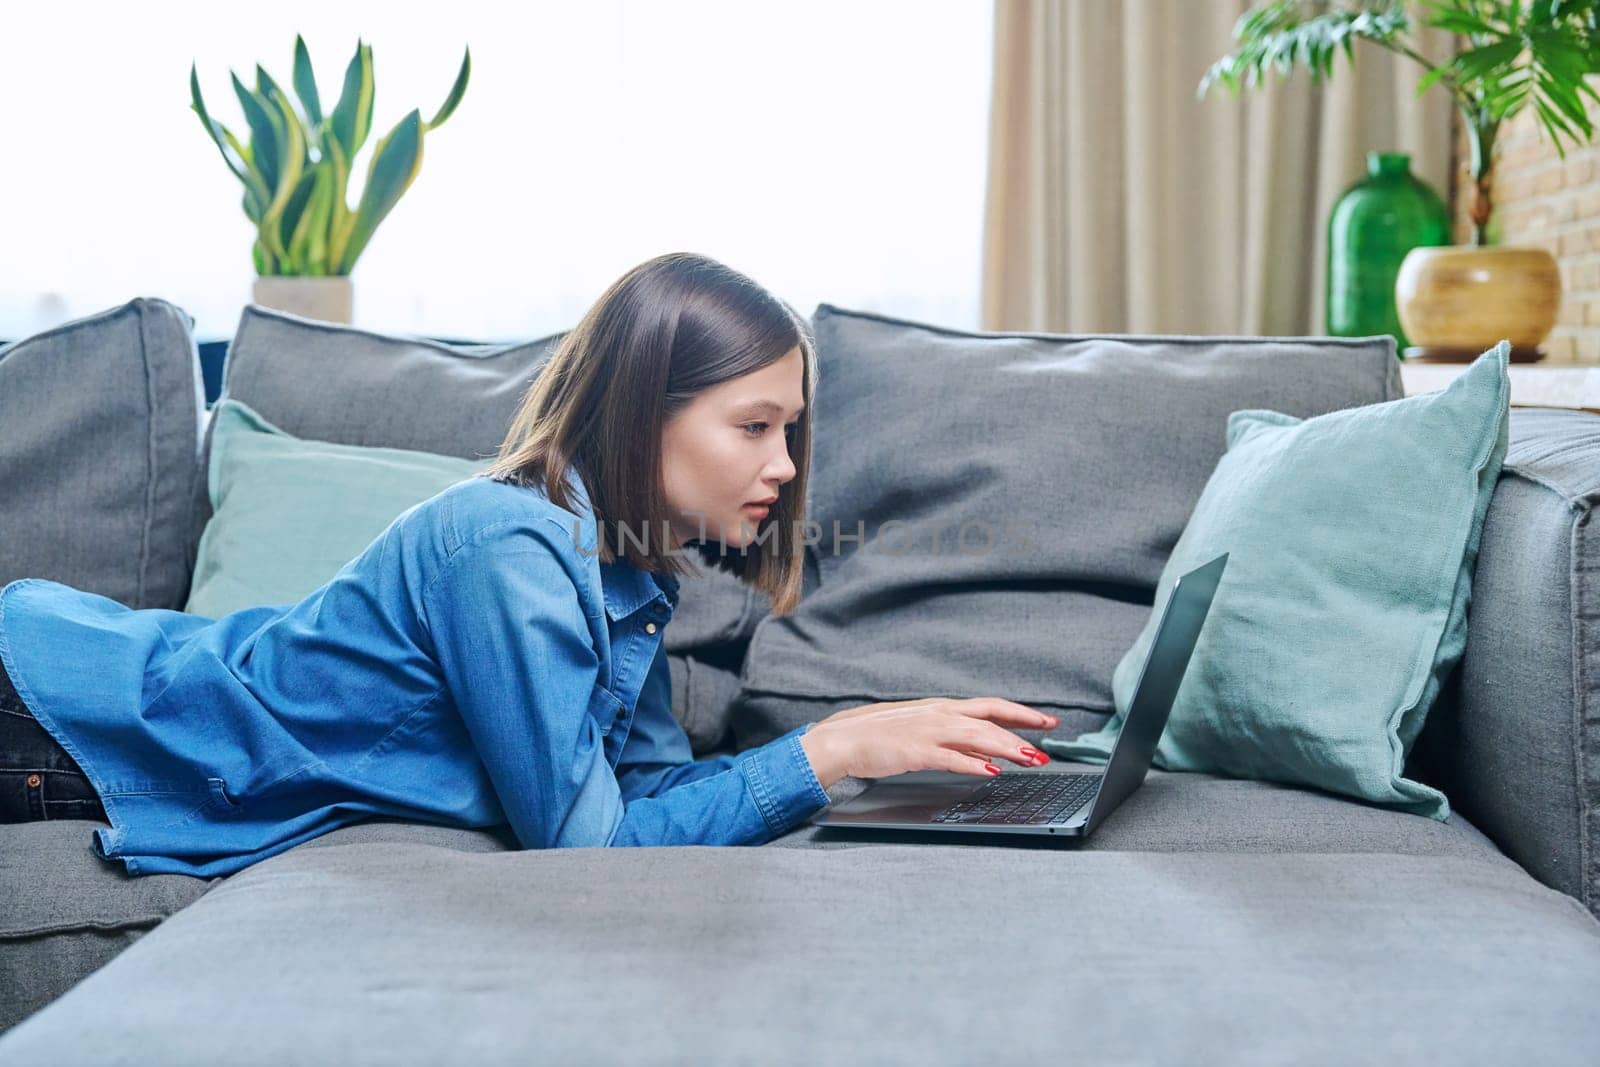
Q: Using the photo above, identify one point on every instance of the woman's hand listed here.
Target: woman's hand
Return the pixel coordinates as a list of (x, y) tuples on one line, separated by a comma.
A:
[(993, 708), (962, 735)]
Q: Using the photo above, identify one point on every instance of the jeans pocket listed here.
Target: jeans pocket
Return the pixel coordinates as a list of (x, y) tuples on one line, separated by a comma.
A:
[(30, 794), (75, 809), (17, 801)]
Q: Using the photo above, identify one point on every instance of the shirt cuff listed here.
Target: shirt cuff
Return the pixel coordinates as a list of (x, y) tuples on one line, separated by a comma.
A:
[(783, 782)]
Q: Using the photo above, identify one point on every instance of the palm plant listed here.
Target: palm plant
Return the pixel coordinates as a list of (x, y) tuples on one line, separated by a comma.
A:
[(1517, 53), (296, 167)]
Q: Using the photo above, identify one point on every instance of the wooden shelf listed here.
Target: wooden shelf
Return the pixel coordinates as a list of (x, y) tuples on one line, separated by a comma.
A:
[(1533, 385)]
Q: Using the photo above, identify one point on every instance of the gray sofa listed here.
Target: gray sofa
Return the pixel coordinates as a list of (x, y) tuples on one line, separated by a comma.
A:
[(1209, 920)]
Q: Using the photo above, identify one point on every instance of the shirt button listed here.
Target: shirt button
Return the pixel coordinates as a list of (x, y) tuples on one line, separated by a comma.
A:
[(649, 627)]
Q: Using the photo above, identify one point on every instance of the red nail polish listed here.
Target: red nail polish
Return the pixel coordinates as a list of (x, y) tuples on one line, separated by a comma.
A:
[(991, 768)]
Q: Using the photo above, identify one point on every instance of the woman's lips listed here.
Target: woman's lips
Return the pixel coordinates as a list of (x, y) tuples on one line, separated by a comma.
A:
[(758, 510)]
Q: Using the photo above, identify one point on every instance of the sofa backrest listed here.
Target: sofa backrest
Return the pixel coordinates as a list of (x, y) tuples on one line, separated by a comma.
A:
[(995, 508), (99, 423), (328, 382), (1104, 440)]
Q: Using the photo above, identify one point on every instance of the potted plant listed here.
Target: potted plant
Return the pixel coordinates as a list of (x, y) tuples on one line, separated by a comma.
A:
[(295, 169), (1454, 301)]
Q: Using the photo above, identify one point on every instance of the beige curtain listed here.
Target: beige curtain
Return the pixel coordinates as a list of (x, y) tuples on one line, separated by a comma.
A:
[(1119, 202)]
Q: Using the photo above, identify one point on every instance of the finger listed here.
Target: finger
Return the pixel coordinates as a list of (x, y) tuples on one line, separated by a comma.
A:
[(982, 757), (996, 709), (964, 762), (1002, 742), (991, 742)]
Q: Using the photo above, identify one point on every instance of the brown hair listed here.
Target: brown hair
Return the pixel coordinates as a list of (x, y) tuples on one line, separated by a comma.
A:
[(665, 331)]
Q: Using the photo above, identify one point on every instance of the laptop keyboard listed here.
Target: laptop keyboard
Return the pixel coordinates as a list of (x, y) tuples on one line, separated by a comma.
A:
[(1023, 799)]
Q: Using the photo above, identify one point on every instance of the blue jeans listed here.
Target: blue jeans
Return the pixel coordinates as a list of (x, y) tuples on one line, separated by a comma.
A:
[(38, 779)]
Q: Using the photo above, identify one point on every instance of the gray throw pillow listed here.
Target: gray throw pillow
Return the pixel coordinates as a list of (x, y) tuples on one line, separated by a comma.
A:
[(702, 694), (1015, 496), (100, 420), (716, 611)]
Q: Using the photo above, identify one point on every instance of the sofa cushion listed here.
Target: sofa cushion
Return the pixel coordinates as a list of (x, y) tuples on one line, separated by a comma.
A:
[(1515, 740), (1350, 540), (498, 838), (98, 478), (1017, 495), (1188, 811), (288, 513), (411, 953), (67, 912), (1172, 812)]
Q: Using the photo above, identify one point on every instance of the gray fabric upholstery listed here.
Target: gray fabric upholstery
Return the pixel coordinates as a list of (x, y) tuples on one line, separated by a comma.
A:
[(1185, 812), (98, 479), (1080, 456), (99, 427), (716, 611), (1515, 742), (93, 911), (408, 953), (706, 643), (702, 698), (66, 912), (399, 831)]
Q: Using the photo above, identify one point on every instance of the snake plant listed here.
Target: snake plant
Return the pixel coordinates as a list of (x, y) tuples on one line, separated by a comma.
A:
[(296, 167)]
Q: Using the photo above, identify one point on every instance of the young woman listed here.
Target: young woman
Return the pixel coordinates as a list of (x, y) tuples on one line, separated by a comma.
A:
[(495, 655)]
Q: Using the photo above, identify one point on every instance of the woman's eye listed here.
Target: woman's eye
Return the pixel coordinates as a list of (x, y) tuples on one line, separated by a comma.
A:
[(788, 429)]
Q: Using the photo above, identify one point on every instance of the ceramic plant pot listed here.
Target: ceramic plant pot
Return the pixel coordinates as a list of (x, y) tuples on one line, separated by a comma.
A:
[(328, 298)]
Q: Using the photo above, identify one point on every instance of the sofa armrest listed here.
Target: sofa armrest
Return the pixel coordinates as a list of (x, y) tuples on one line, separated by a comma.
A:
[(1514, 740)]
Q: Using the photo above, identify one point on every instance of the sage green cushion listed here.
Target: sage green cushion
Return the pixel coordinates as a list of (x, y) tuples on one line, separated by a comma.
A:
[(287, 513), (1352, 538)]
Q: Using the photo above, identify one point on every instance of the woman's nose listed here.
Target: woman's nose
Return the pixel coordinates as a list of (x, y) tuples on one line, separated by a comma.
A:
[(783, 467)]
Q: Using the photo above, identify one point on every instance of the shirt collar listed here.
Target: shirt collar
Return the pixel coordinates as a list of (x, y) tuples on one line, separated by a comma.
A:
[(624, 586), (627, 588)]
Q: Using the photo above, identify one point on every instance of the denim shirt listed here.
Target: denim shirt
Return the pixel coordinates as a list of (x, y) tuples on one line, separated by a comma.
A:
[(476, 665)]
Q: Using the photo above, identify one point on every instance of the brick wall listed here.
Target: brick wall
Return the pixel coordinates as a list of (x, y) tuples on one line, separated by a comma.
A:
[(1544, 201)]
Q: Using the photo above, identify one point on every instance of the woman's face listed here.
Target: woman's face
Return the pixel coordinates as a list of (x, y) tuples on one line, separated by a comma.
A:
[(730, 448)]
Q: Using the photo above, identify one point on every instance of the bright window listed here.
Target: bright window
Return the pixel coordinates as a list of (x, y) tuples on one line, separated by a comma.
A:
[(832, 149)]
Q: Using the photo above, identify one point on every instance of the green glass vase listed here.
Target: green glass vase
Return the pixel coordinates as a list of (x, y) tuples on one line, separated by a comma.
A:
[(1373, 225)]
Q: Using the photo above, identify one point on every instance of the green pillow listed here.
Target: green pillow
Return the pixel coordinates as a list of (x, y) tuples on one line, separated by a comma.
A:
[(288, 513), (1351, 540)]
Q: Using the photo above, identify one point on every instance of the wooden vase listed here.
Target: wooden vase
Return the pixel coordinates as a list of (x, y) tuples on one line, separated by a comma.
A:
[(1457, 301)]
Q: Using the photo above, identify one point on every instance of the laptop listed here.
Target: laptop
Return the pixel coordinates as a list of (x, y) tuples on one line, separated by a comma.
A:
[(1041, 803)]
